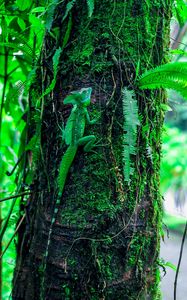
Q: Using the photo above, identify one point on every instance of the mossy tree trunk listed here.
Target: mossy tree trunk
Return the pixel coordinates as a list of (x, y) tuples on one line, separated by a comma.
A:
[(105, 242)]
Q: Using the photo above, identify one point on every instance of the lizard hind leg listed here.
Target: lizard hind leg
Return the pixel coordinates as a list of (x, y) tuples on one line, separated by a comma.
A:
[(88, 142)]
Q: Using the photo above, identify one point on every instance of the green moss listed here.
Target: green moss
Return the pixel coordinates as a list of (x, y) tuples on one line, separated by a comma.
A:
[(119, 239), (67, 292)]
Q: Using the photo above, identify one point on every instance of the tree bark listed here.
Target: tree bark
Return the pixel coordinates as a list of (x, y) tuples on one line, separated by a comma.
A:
[(106, 239)]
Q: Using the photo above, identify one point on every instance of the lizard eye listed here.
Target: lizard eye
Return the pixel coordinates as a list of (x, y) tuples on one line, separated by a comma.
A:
[(81, 97), (86, 102)]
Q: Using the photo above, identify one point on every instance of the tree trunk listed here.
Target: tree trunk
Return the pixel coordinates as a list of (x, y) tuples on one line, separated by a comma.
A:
[(106, 239)]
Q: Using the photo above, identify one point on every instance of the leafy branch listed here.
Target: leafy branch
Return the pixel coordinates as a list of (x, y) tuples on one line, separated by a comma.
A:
[(70, 5), (172, 76)]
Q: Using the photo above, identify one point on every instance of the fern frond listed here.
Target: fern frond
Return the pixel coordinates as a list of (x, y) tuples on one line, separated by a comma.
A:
[(180, 11), (68, 32), (19, 41), (171, 76), (18, 47), (56, 59), (50, 13), (13, 218), (15, 91), (131, 121), (69, 7), (35, 141), (90, 4)]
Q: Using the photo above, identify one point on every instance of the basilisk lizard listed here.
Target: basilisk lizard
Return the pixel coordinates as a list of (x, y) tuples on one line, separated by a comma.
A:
[(74, 137)]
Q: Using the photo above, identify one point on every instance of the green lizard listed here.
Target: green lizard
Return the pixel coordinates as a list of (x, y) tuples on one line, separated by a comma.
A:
[(74, 137)]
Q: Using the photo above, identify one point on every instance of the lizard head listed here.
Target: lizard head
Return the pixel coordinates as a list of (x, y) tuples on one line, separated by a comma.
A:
[(81, 97)]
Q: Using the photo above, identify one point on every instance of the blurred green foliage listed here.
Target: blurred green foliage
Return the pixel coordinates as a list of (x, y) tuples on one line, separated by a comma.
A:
[(21, 35), (23, 24), (175, 223), (174, 159)]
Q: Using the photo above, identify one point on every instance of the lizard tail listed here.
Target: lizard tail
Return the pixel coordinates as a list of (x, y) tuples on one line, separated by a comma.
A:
[(63, 172), (65, 165)]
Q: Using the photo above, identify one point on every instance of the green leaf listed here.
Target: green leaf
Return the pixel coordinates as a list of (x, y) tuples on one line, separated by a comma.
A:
[(90, 4), (23, 4), (21, 24), (170, 265), (39, 9), (4, 27), (181, 11), (56, 58), (165, 107), (178, 52), (69, 7), (37, 25), (68, 32), (50, 13)]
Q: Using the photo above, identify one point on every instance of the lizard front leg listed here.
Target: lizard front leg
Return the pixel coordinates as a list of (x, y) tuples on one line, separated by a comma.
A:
[(91, 122)]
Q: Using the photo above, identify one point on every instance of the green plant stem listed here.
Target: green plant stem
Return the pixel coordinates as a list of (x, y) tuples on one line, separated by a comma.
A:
[(15, 232), (4, 88), (1, 114), (179, 262), (15, 196), (1, 283)]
